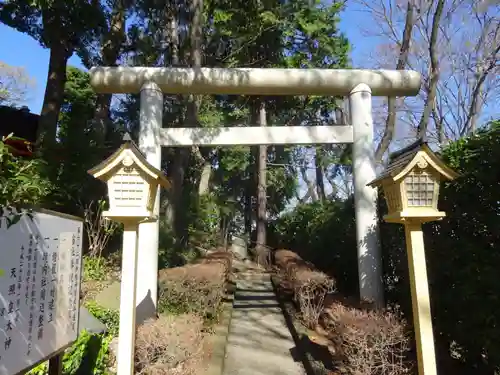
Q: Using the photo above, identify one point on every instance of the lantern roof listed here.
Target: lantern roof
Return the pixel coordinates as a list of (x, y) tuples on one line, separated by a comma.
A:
[(128, 149), (402, 162)]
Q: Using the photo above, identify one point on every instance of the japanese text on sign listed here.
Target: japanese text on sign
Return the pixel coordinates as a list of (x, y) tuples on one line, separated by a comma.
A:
[(39, 288)]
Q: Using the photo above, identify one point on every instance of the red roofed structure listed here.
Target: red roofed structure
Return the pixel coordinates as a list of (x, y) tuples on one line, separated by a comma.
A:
[(23, 126)]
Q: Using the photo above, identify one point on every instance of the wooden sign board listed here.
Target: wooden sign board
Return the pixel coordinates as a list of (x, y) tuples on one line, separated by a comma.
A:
[(40, 268)]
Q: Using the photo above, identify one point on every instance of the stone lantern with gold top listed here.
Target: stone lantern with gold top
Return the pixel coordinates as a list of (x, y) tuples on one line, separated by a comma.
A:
[(411, 184)]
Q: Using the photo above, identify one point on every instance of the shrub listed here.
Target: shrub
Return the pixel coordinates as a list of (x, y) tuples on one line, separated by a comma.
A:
[(169, 345), (283, 257), (98, 228), (309, 286), (367, 342), (461, 252), (299, 272), (195, 288), (88, 355), (463, 256), (95, 268), (324, 234), (310, 296)]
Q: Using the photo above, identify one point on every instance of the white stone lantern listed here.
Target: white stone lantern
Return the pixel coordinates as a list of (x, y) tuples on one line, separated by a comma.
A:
[(132, 187), (411, 188), (132, 183), (411, 184)]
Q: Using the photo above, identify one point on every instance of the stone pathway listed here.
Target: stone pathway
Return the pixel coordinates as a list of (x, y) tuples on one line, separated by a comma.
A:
[(259, 342)]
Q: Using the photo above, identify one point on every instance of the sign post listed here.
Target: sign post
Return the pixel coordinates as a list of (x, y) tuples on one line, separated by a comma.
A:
[(40, 268), (56, 364), (126, 343), (132, 189)]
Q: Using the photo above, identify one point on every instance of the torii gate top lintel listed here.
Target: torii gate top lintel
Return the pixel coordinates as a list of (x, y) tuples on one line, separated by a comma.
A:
[(255, 81)]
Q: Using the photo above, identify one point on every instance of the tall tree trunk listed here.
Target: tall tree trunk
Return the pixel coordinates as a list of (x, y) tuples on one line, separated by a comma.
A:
[(476, 109), (110, 51), (195, 101), (204, 186), (177, 201), (320, 184), (175, 173), (430, 102), (54, 94), (222, 228), (193, 105), (262, 252), (248, 211), (404, 51), (311, 191), (174, 40)]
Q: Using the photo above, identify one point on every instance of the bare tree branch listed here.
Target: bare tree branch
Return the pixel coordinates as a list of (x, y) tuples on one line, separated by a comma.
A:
[(15, 85), (402, 61), (455, 46), (434, 75)]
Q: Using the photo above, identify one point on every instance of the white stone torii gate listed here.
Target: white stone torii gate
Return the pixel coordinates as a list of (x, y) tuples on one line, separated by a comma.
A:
[(358, 85)]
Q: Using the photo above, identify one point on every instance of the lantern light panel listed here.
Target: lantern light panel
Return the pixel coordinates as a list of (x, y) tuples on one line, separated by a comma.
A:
[(411, 183)]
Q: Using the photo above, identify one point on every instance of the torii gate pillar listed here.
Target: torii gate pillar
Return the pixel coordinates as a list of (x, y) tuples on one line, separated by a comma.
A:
[(365, 198), (150, 123), (357, 85)]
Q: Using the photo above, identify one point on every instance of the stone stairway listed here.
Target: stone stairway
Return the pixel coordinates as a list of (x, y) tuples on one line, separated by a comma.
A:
[(259, 342)]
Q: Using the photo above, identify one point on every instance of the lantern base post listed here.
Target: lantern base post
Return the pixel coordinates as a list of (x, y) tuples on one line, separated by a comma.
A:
[(126, 343), (422, 317)]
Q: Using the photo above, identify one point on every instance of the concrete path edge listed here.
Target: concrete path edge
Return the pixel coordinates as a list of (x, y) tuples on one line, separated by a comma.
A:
[(219, 340), (299, 344)]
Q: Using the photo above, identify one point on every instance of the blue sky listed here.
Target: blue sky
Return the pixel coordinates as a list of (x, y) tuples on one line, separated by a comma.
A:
[(21, 50)]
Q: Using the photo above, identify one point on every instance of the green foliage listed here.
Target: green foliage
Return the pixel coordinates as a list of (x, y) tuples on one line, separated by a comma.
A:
[(462, 258), (77, 109), (78, 148), (461, 252), (109, 317), (204, 228), (294, 34), (324, 234), (73, 23), (168, 254), (22, 183), (95, 268), (88, 355), (22, 180), (87, 349), (41, 369)]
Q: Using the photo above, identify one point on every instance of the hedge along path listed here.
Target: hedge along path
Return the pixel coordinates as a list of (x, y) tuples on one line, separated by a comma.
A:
[(259, 341)]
